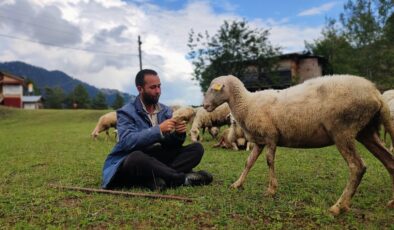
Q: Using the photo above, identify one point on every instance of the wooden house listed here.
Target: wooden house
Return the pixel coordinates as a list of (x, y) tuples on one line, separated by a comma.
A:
[(291, 68), (11, 90)]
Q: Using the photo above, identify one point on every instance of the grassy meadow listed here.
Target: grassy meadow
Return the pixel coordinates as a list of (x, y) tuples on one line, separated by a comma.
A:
[(39, 148)]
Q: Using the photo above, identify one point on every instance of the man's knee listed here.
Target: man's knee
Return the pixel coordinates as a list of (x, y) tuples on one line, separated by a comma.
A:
[(136, 158), (197, 149)]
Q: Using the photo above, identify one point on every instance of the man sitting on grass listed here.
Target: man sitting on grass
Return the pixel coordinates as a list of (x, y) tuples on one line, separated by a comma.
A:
[(150, 152)]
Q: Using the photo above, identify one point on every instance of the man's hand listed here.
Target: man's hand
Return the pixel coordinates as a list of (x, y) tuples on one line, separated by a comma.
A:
[(180, 127), (167, 126)]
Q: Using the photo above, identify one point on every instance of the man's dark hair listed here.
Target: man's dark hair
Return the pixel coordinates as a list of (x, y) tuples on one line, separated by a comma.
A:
[(139, 78)]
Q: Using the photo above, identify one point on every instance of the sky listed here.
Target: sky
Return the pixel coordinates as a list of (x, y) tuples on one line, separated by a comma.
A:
[(96, 41)]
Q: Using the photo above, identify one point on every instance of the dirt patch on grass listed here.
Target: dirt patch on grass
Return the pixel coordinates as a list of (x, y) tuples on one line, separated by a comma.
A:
[(70, 202)]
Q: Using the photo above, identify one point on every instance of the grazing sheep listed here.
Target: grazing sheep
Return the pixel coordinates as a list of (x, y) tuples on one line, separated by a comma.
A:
[(205, 119), (213, 131), (105, 122), (320, 112)]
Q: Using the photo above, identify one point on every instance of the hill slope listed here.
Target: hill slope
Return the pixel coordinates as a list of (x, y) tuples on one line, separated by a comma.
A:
[(44, 78)]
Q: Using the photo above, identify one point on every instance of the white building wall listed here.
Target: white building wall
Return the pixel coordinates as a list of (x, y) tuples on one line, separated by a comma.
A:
[(15, 90), (29, 106)]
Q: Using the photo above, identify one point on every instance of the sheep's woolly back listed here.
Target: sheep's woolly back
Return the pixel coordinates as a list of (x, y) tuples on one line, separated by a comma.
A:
[(175, 107), (388, 95), (105, 122), (203, 119), (391, 107), (304, 115)]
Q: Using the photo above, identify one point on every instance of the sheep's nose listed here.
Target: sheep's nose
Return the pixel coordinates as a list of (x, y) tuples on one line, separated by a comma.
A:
[(206, 106)]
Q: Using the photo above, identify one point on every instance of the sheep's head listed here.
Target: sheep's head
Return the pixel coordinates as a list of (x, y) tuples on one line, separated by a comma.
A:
[(194, 135), (184, 114), (216, 94), (231, 119), (214, 131)]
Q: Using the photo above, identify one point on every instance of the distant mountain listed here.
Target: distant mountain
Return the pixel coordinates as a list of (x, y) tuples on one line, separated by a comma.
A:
[(43, 78)]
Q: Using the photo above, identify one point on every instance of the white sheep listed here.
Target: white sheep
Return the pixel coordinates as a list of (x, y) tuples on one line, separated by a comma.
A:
[(233, 137), (204, 119), (391, 108), (184, 114), (388, 95), (104, 123), (320, 112)]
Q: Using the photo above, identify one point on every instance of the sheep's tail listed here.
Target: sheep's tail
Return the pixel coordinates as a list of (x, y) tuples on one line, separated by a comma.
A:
[(385, 118)]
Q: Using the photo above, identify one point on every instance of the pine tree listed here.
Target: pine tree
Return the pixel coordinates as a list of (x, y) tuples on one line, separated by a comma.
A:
[(118, 102), (80, 97), (54, 98), (99, 102)]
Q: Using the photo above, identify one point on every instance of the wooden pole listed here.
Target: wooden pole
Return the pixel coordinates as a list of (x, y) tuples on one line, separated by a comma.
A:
[(114, 192), (139, 51)]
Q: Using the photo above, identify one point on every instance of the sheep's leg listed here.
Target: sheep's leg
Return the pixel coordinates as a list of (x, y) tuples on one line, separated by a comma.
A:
[(249, 163), (220, 143), (234, 146), (372, 142), (273, 183), (107, 132), (384, 141), (357, 169)]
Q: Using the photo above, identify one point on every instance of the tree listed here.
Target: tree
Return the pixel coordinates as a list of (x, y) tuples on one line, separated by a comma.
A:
[(335, 48), (225, 52), (118, 102), (54, 98), (362, 44), (99, 102), (80, 97), (363, 24)]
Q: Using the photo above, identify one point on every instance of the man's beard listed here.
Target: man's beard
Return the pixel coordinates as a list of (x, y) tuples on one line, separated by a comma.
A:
[(150, 100)]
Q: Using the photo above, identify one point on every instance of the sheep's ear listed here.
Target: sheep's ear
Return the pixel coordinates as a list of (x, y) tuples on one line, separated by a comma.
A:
[(217, 86)]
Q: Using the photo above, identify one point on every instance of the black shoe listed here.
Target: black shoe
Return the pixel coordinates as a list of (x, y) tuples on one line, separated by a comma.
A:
[(198, 178), (208, 178), (156, 184)]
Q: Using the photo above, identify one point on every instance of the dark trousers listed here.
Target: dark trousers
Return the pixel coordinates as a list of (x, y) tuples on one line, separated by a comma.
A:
[(141, 167)]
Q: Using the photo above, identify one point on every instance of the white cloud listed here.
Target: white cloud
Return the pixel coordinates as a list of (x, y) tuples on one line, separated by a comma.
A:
[(111, 28), (318, 10)]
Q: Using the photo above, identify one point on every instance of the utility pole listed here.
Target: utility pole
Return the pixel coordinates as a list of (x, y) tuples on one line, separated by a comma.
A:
[(139, 51)]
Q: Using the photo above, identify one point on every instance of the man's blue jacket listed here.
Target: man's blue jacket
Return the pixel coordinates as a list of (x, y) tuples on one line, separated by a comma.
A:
[(135, 132)]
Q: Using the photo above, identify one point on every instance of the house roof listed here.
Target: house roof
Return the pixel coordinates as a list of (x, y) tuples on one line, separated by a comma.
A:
[(16, 79), (300, 55), (31, 98)]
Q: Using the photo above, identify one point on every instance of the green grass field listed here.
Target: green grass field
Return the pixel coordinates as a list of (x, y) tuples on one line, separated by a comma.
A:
[(39, 148)]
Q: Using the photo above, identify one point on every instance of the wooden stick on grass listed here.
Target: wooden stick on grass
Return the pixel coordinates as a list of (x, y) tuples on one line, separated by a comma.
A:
[(114, 192)]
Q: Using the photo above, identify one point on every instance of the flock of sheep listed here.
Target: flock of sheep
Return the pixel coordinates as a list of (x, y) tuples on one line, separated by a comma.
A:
[(330, 110), (200, 120)]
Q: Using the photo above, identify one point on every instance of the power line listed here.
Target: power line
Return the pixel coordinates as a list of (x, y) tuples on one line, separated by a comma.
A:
[(67, 47)]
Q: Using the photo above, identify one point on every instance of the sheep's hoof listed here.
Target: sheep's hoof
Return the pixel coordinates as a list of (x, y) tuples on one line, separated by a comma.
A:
[(236, 185), (390, 204), (335, 210), (270, 193)]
